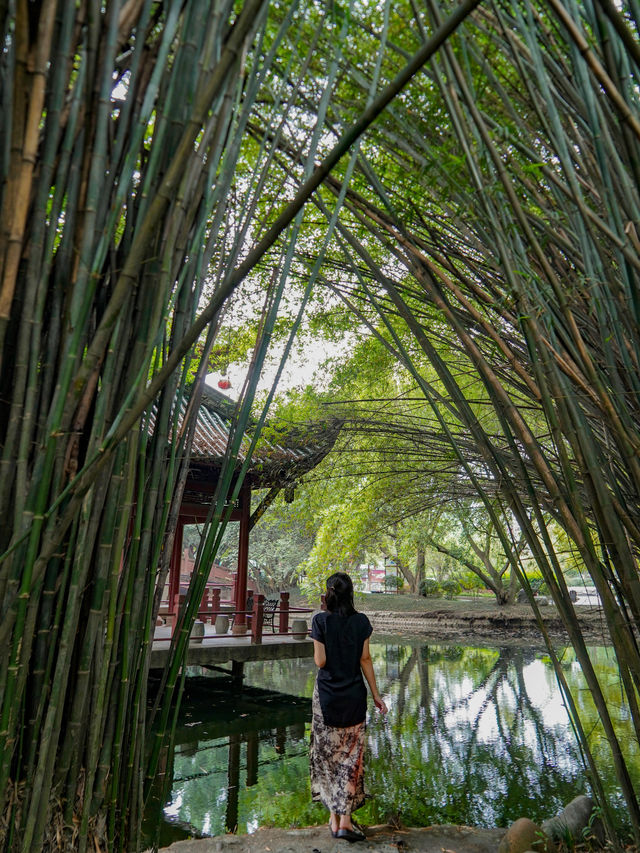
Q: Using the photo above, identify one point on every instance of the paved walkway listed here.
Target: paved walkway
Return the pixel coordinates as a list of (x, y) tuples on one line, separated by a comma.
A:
[(382, 839)]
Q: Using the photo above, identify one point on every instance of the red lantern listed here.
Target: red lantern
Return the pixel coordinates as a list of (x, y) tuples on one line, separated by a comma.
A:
[(224, 383)]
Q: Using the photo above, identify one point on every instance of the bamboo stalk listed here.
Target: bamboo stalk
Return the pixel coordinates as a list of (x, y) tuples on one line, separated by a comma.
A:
[(30, 76)]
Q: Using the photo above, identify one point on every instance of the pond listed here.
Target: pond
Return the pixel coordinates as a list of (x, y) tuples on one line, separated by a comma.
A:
[(475, 736)]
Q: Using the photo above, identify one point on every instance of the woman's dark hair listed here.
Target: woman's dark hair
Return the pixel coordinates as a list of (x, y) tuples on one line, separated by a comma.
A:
[(339, 597)]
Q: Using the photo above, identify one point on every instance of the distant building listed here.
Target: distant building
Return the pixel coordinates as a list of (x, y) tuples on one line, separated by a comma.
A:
[(371, 577)]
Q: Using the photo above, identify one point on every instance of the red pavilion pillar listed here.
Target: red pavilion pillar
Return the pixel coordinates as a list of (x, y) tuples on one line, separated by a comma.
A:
[(240, 586), (174, 570)]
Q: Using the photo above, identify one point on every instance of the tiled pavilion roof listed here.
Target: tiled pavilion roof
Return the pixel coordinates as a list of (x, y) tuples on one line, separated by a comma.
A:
[(273, 464)]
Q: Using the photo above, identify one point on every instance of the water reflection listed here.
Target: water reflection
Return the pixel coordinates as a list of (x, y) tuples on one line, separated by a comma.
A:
[(478, 736), (474, 736), (225, 742)]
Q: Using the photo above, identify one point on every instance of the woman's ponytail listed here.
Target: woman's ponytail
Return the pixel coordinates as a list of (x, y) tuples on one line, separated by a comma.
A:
[(339, 597)]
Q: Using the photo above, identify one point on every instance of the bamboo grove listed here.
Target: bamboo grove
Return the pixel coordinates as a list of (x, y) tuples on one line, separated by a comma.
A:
[(503, 233), (159, 157)]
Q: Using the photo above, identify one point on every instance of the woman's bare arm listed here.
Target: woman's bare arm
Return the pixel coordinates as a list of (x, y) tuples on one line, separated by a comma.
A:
[(319, 653), (366, 665)]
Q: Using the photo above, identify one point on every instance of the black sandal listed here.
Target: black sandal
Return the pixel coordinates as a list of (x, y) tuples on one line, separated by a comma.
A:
[(350, 835)]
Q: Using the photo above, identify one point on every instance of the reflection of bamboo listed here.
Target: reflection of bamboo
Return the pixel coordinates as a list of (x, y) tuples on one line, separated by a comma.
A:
[(532, 712), (233, 774), (462, 756), (499, 675)]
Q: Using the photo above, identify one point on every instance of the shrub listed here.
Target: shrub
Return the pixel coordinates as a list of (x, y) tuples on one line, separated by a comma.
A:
[(392, 582), (429, 586), (450, 588), (470, 582), (536, 584)]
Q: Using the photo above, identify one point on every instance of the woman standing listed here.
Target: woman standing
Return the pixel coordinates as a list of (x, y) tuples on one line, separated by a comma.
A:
[(341, 651)]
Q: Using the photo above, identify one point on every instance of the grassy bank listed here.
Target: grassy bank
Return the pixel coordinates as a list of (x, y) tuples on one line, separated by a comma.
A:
[(404, 603)]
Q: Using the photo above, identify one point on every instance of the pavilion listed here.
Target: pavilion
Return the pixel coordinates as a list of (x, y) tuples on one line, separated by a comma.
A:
[(274, 466)]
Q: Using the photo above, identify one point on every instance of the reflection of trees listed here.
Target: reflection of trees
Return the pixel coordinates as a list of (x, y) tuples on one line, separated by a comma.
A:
[(213, 781), (532, 761), (400, 684), (472, 741), (467, 740)]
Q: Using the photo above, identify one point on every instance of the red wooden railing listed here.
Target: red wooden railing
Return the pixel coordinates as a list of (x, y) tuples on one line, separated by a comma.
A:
[(211, 608)]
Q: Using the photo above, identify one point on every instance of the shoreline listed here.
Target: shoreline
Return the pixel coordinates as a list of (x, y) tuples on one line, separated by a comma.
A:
[(382, 839), (491, 625)]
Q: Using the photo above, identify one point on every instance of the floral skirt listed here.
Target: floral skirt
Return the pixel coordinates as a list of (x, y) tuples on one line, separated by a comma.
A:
[(336, 763)]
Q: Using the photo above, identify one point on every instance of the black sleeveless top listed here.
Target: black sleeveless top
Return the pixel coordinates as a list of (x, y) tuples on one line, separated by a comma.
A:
[(341, 688)]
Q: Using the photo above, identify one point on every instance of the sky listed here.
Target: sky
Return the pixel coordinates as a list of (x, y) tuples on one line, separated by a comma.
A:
[(298, 372)]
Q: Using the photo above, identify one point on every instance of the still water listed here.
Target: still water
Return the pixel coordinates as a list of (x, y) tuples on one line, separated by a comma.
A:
[(475, 736)]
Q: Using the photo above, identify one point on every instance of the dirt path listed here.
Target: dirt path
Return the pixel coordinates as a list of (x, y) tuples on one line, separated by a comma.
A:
[(382, 839)]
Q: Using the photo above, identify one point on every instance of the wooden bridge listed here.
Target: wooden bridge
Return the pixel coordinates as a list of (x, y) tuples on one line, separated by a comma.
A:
[(242, 641)]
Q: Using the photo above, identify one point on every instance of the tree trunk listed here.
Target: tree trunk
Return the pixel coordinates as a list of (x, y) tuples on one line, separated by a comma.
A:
[(419, 576)]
